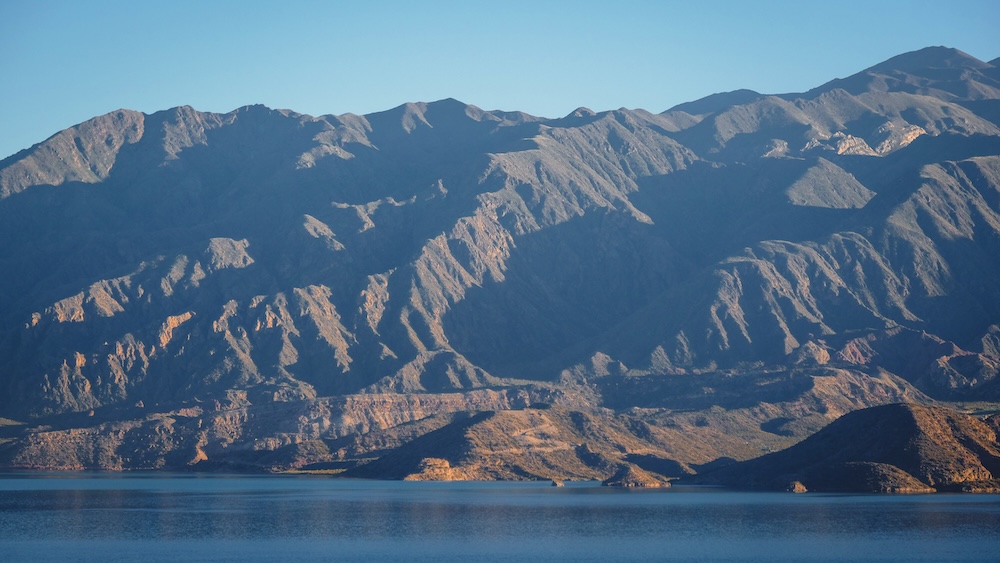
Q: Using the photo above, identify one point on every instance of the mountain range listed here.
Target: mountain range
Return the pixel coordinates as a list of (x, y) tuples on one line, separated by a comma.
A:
[(442, 290)]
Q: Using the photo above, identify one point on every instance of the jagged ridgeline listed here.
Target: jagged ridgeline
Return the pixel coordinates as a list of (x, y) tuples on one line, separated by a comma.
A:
[(562, 297)]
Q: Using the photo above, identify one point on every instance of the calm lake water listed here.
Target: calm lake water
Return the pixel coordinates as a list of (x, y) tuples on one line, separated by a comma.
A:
[(156, 517)]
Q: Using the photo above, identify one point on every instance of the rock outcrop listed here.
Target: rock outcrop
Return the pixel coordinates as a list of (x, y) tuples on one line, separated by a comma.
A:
[(631, 476)]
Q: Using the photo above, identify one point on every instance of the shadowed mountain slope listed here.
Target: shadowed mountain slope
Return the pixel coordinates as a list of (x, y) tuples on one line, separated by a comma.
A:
[(892, 448), (819, 252)]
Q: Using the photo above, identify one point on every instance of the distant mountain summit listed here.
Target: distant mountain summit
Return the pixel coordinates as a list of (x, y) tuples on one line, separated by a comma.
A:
[(930, 59), (625, 291), (717, 102), (940, 72)]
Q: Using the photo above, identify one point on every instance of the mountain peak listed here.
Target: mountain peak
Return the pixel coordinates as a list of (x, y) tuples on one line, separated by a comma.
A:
[(930, 58), (459, 109), (941, 72), (450, 103), (252, 108), (83, 153), (717, 102)]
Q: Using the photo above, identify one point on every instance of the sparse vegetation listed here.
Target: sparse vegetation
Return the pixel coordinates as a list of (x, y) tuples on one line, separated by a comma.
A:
[(439, 291)]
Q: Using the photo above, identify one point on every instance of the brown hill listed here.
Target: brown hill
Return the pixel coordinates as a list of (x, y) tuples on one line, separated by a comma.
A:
[(891, 448)]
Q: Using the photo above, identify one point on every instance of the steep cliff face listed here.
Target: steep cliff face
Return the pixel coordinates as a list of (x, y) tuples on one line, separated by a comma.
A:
[(264, 258)]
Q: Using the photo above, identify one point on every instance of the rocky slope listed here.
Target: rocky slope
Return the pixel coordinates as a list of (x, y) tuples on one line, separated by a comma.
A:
[(221, 289), (900, 448)]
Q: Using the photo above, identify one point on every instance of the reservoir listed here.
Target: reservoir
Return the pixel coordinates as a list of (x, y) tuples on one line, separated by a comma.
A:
[(188, 517)]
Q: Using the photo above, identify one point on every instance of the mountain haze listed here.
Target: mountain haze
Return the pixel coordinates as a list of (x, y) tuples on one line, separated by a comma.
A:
[(566, 297)]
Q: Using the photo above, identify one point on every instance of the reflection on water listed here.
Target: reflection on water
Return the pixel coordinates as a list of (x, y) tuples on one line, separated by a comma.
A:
[(217, 518)]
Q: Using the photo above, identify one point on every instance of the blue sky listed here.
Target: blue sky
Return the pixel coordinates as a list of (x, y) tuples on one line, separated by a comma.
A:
[(63, 62)]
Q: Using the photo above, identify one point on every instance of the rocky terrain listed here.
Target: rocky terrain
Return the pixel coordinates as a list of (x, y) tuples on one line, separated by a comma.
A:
[(900, 448), (439, 291)]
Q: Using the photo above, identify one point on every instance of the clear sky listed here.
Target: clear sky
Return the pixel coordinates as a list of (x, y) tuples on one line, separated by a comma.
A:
[(62, 62)]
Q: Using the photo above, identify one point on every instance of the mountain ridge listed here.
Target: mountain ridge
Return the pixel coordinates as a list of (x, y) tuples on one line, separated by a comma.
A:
[(890, 448), (768, 263)]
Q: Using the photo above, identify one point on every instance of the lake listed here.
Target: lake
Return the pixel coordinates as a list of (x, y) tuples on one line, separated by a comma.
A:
[(158, 517)]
